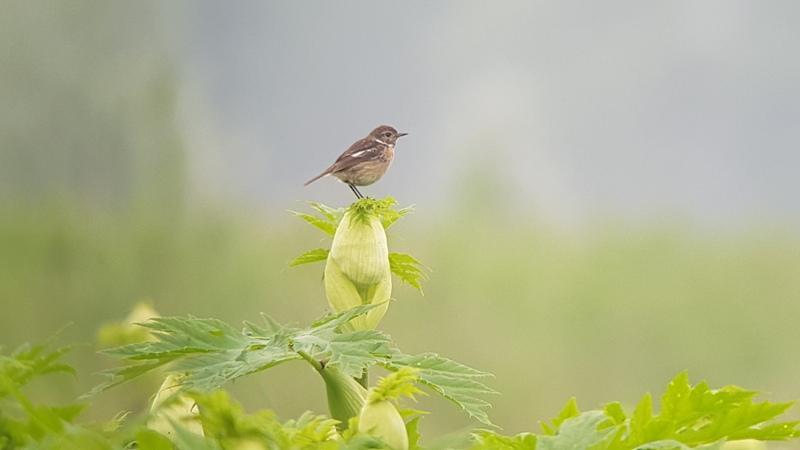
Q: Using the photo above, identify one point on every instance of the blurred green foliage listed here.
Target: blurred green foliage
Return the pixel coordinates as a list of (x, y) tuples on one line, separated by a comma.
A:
[(89, 106), (599, 316)]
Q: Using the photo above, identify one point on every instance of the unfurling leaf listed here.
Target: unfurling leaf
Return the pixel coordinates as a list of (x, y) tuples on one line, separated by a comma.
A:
[(311, 256), (408, 269)]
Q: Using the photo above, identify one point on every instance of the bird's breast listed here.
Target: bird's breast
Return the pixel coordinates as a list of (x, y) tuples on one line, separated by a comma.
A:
[(388, 154)]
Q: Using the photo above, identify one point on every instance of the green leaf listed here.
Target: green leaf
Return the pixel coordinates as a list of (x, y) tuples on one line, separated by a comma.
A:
[(151, 440), (583, 431), (29, 362), (356, 351), (692, 416), (569, 411), (211, 353), (456, 382), (408, 269), (331, 214), (311, 256), (615, 411), (412, 429), (331, 322), (327, 226), (391, 216), (675, 401), (488, 440), (697, 415)]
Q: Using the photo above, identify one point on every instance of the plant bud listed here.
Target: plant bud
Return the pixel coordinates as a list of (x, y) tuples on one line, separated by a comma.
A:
[(382, 419), (345, 396), (127, 331), (357, 271), (170, 406)]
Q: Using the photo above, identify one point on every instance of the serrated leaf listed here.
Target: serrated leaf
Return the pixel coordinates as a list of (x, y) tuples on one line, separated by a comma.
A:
[(351, 352), (211, 353), (488, 440), (584, 431), (412, 430), (569, 411), (673, 402), (699, 416), (270, 327), (356, 351), (331, 322), (615, 411), (771, 432), (454, 381), (331, 214), (391, 216), (640, 420), (327, 226), (408, 269), (28, 362), (311, 256)]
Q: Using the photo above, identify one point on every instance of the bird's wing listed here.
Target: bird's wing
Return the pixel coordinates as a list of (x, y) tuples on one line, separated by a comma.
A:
[(362, 150)]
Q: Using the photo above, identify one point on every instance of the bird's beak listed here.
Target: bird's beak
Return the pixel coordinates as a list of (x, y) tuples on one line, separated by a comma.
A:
[(402, 134)]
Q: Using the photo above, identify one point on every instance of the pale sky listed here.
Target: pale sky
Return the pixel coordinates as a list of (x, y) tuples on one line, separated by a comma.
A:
[(680, 109)]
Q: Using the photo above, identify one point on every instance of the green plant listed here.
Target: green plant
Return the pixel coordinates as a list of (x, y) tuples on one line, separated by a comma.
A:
[(197, 357)]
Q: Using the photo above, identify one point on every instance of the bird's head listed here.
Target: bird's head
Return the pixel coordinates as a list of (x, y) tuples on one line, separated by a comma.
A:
[(386, 134)]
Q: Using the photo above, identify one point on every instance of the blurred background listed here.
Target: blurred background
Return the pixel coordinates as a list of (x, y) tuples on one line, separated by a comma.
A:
[(607, 194)]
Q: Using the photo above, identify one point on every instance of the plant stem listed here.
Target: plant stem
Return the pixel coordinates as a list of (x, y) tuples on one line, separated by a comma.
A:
[(316, 364)]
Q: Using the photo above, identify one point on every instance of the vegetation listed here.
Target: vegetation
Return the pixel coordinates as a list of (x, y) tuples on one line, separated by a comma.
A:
[(197, 358)]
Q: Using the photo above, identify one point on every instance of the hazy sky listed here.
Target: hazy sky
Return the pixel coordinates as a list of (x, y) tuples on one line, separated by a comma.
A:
[(684, 109)]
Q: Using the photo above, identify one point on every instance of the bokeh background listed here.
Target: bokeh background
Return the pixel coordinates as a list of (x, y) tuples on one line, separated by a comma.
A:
[(606, 193)]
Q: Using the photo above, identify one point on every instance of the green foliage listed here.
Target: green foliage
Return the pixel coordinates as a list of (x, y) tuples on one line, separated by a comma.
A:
[(326, 225), (29, 362), (210, 353), (412, 428), (408, 269), (27, 424), (401, 383), (691, 416), (454, 381), (385, 209), (487, 440), (225, 422), (311, 256)]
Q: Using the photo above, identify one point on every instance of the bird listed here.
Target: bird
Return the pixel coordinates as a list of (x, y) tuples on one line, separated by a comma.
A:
[(365, 161)]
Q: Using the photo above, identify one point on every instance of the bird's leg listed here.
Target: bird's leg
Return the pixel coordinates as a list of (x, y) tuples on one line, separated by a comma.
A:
[(355, 191)]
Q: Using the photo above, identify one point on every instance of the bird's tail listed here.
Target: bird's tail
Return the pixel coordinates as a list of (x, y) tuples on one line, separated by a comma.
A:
[(327, 172)]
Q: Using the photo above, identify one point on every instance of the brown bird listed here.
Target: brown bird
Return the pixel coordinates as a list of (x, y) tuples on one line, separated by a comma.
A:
[(365, 161)]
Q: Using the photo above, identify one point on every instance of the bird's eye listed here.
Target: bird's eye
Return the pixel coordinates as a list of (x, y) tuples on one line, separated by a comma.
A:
[(387, 134)]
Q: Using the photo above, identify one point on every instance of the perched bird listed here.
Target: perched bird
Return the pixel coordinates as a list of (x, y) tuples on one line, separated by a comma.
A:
[(365, 161)]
